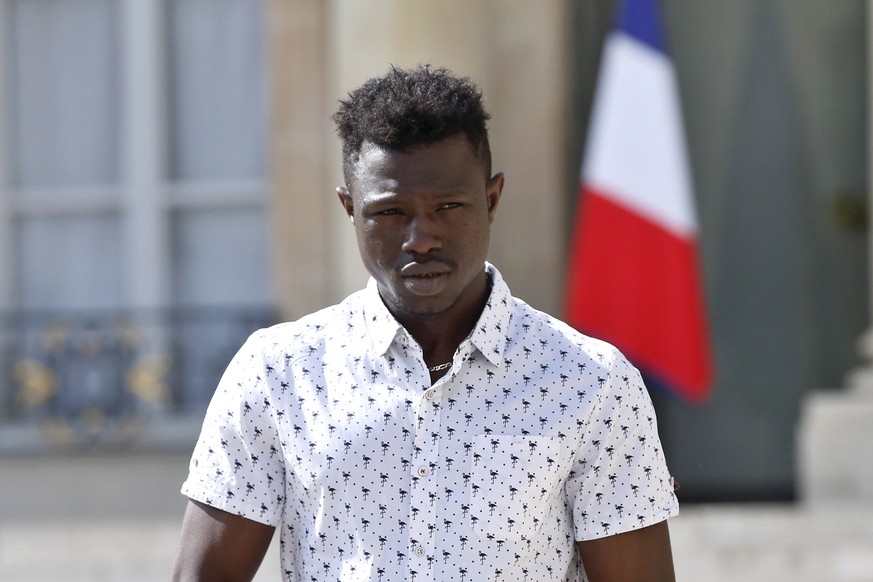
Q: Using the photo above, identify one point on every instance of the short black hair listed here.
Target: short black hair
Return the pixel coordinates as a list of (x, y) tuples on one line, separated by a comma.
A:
[(406, 108)]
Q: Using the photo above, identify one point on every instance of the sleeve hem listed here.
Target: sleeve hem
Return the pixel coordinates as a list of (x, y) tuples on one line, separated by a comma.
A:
[(629, 525), (216, 500)]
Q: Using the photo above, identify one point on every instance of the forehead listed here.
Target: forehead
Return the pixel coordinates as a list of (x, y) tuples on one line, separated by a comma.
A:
[(446, 163)]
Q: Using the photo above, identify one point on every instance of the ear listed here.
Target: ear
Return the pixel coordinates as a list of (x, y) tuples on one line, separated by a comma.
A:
[(345, 199), (493, 191)]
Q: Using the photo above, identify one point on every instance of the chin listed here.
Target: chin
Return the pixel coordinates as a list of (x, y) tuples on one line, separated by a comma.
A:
[(424, 306), (428, 310)]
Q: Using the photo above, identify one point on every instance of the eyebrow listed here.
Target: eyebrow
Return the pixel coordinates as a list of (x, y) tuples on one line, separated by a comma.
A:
[(448, 192)]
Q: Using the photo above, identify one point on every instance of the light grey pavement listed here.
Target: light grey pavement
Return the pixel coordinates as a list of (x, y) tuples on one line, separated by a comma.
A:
[(116, 519), (774, 543)]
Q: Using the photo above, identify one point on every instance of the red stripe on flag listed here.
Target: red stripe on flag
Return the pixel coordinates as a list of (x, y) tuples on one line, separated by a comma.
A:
[(637, 286)]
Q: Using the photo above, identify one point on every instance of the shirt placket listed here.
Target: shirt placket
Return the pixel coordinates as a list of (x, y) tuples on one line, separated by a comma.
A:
[(425, 492)]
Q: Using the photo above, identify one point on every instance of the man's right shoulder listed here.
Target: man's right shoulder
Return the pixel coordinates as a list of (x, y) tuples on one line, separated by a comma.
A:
[(309, 330)]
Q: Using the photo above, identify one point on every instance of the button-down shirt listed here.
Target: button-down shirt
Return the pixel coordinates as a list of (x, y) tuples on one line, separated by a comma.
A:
[(329, 428)]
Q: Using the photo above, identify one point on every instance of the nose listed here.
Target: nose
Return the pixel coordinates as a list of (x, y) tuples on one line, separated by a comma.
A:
[(422, 236)]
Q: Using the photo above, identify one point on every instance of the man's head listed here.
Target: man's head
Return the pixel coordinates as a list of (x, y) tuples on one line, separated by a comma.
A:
[(419, 192), (408, 108)]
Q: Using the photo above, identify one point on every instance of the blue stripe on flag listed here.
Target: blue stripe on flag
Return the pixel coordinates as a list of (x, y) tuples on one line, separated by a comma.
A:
[(640, 19)]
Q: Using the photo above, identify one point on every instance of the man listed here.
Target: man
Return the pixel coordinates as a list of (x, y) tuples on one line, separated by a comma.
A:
[(431, 426)]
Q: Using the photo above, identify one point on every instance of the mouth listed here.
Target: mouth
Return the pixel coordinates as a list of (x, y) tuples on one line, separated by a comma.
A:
[(425, 279), (424, 270)]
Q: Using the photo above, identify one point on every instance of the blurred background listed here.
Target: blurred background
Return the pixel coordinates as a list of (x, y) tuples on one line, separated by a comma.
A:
[(167, 174)]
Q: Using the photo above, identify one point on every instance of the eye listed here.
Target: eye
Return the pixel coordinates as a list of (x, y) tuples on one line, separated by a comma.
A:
[(448, 205), (389, 212)]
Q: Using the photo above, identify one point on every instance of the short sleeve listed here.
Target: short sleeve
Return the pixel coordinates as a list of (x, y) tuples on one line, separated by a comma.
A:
[(237, 465), (619, 481)]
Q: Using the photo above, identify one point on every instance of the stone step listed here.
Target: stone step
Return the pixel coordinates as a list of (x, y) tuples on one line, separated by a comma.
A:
[(774, 543)]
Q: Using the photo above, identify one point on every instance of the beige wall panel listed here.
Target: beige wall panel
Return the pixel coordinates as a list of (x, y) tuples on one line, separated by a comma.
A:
[(299, 130), (373, 35), (527, 81)]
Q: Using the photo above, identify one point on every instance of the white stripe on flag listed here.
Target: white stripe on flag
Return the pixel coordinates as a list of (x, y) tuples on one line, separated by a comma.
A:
[(635, 151)]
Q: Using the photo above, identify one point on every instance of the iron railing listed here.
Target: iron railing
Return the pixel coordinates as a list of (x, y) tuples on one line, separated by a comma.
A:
[(87, 378)]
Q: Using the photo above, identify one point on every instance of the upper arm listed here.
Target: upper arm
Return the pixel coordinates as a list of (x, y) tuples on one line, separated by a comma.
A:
[(219, 546), (638, 555)]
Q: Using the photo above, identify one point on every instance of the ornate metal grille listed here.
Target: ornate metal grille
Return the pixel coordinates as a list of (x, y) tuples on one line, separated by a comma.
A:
[(95, 379)]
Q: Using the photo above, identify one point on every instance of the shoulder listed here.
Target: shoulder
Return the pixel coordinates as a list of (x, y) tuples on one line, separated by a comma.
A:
[(533, 325), (292, 339)]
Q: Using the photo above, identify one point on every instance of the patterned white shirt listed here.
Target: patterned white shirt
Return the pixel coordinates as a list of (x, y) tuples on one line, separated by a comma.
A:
[(329, 428)]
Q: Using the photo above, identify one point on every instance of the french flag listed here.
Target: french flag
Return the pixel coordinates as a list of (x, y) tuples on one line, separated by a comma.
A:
[(634, 278)]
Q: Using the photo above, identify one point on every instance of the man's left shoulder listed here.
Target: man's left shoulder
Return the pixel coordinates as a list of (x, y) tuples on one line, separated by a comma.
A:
[(547, 328)]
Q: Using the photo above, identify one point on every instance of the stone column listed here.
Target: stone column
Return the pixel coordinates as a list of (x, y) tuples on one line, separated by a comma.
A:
[(300, 125), (527, 77), (835, 434)]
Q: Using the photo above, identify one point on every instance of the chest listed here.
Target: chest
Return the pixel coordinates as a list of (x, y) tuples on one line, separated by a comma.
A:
[(385, 420)]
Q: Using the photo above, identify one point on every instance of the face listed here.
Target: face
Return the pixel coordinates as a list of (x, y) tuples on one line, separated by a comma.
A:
[(423, 223)]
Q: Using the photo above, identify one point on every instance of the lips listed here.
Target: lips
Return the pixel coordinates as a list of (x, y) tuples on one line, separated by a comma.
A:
[(431, 269), (425, 279)]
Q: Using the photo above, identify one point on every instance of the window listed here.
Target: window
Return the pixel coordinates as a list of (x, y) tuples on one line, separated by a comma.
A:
[(134, 195)]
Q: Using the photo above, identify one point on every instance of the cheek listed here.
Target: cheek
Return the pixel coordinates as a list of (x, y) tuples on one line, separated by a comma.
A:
[(477, 233), (375, 244)]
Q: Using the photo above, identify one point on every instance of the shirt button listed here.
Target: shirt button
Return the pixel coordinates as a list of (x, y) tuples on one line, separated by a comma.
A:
[(422, 471), (429, 394), (419, 551)]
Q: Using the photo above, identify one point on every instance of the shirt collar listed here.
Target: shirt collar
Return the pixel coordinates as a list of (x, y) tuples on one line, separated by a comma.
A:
[(488, 336), (381, 325)]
